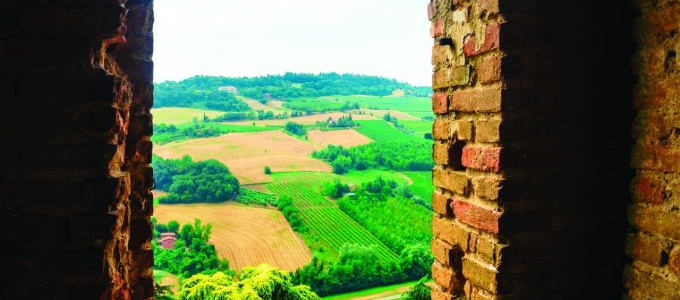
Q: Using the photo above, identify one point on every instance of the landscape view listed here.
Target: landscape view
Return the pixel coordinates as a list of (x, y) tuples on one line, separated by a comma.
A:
[(293, 186)]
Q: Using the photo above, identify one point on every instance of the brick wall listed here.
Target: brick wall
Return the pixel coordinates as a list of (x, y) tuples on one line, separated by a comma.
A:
[(532, 148), (654, 241), (75, 84)]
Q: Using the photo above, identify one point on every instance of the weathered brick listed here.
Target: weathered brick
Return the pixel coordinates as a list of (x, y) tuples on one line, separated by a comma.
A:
[(450, 77), (440, 103), (437, 28), (476, 100), (491, 41), (489, 69), (450, 232), (440, 152), (441, 53), (487, 6), (480, 274), (482, 158), (647, 189), (441, 129), (486, 187), (453, 181), (441, 204), (485, 249), (487, 131), (658, 158), (445, 277), (674, 261), (439, 294), (480, 217), (656, 221), (463, 130), (645, 248)]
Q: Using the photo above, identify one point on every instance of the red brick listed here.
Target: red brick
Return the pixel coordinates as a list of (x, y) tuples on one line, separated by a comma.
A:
[(674, 261), (450, 77), (483, 218), (446, 278), (441, 204), (440, 152), (482, 158), (645, 248), (440, 103), (491, 41), (648, 190), (437, 28), (456, 182), (489, 69), (448, 231), (487, 131), (659, 158), (441, 129), (476, 100), (431, 10)]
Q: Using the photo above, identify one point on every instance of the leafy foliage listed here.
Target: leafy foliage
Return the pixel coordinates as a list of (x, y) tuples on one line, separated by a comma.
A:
[(185, 94), (198, 89), (419, 291), (260, 283), (335, 189), (291, 213), (192, 253), (187, 181), (248, 196), (295, 128), (394, 155)]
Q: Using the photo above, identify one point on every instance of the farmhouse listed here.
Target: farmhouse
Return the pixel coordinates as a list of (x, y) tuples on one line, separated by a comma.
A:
[(229, 89), (168, 240)]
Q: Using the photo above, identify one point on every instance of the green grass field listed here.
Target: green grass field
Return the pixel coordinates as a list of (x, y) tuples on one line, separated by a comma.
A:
[(403, 104), (379, 130), (179, 115), (422, 185), (378, 292), (166, 137), (329, 227), (418, 127)]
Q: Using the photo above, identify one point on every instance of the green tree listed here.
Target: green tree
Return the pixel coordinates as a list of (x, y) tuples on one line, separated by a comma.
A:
[(267, 170), (419, 291)]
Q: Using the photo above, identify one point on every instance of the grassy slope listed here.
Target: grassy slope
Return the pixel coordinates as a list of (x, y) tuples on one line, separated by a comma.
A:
[(422, 184), (179, 115), (419, 127), (379, 130), (378, 292)]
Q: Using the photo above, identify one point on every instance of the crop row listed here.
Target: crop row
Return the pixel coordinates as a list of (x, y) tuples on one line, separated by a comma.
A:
[(335, 228), (303, 193)]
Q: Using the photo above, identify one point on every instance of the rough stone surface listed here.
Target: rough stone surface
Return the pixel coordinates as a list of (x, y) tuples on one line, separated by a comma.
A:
[(77, 90)]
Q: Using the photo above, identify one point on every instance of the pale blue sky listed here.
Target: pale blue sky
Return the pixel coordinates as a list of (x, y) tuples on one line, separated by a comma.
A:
[(388, 38)]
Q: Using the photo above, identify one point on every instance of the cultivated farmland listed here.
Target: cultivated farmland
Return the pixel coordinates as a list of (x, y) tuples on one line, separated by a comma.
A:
[(245, 235), (380, 130), (179, 115), (422, 184), (246, 154), (307, 120), (329, 227), (345, 137)]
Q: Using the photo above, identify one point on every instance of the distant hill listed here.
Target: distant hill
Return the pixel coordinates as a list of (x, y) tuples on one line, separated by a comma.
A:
[(203, 91)]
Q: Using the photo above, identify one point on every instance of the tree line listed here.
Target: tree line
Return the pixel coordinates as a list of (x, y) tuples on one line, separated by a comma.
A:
[(407, 155), (187, 181)]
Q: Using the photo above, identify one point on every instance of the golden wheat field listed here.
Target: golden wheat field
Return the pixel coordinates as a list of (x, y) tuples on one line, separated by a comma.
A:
[(246, 154), (245, 235), (345, 137)]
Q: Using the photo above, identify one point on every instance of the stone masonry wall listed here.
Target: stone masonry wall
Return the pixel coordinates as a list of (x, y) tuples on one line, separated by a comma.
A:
[(75, 84), (654, 215), (532, 148)]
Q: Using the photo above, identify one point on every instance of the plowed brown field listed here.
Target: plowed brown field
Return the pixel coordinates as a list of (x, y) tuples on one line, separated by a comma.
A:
[(246, 154), (245, 235)]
